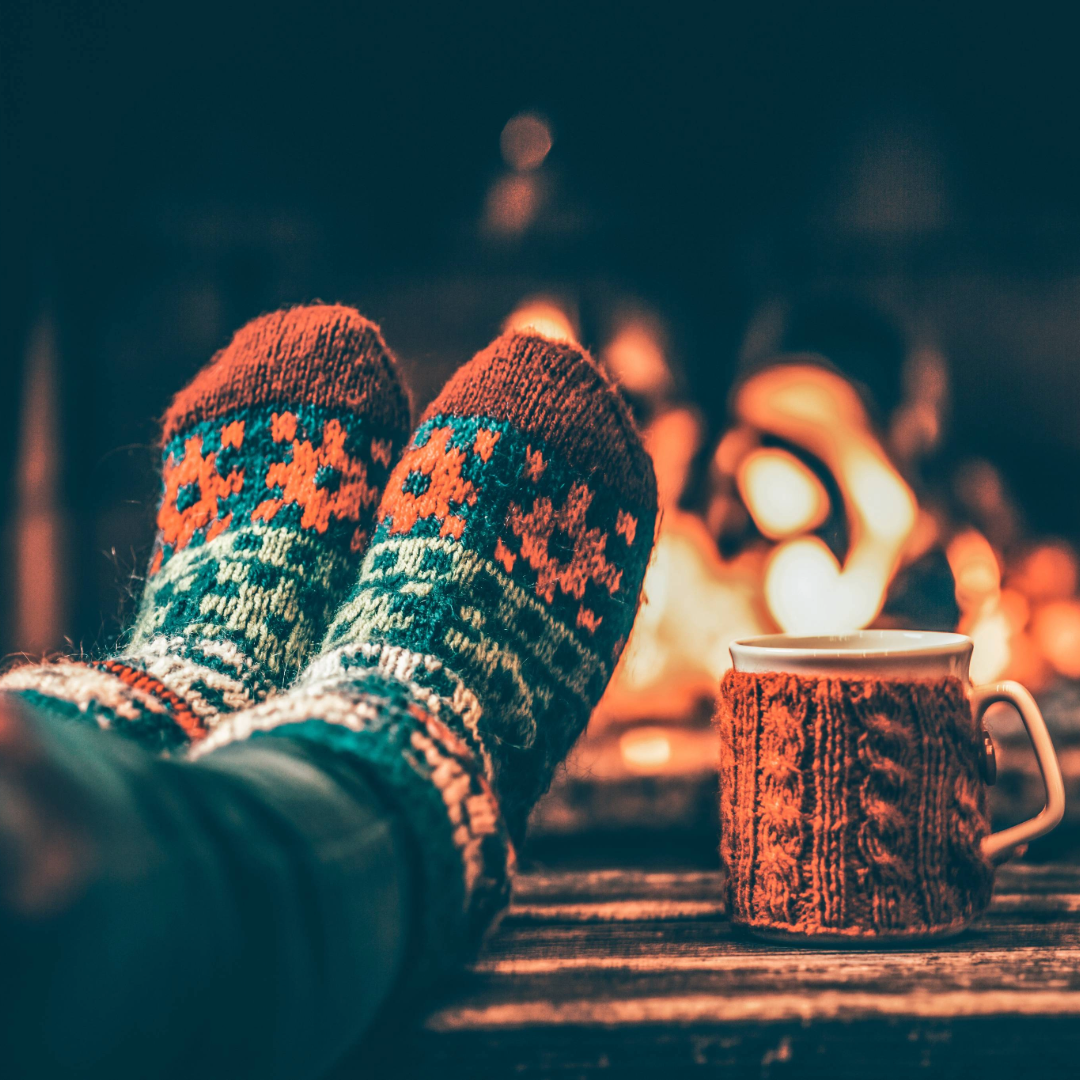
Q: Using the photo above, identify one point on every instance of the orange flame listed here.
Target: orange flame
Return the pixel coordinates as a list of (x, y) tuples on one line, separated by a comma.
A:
[(806, 589), (635, 356), (782, 495), (546, 316)]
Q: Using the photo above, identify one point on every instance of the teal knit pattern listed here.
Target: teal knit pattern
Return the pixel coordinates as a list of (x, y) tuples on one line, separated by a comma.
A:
[(491, 607), (273, 463)]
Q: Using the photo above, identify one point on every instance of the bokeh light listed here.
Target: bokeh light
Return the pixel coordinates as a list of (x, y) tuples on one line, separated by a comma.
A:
[(783, 496), (546, 316), (526, 141)]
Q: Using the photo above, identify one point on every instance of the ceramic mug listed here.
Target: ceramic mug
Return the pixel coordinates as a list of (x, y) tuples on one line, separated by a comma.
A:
[(853, 785)]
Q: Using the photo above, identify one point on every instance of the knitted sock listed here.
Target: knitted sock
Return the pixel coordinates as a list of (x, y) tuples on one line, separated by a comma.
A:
[(274, 459), (501, 583)]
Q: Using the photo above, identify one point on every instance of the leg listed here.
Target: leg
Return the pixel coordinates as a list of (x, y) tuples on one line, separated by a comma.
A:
[(242, 916), (489, 612)]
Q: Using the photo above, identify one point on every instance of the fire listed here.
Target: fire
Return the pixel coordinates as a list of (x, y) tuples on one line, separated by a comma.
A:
[(645, 749), (802, 451), (546, 316), (526, 141), (635, 356), (782, 495), (806, 588), (696, 604)]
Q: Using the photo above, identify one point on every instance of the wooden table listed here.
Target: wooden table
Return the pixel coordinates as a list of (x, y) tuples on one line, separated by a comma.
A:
[(626, 973)]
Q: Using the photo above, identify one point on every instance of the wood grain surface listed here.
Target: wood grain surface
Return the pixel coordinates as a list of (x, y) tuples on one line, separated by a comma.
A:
[(626, 973)]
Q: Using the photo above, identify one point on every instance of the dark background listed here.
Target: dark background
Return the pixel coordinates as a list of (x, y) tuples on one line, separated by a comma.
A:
[(170, 171)]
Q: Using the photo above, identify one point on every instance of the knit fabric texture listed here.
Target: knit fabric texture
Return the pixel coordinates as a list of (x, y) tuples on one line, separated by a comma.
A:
[(851, 807), (274, 460), (500, 586)]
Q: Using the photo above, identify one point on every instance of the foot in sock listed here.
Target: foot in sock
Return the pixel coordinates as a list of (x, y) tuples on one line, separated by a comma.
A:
[(501, 583), (274, 460)]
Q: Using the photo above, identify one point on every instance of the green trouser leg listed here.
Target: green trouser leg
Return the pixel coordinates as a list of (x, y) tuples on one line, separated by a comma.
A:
[(243, 916)]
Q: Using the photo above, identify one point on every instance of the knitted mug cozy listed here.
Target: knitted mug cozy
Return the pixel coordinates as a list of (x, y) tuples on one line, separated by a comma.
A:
[(490, 610), (274, 460), (851, 808)]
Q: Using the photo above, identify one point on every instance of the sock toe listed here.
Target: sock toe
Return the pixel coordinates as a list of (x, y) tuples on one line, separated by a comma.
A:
[(325, 355), (555, 391)]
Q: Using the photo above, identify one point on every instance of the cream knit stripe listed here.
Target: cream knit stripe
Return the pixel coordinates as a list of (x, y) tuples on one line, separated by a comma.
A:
[(175, 661), (364, 617), (95, 693), (230, 575), (415, 671)]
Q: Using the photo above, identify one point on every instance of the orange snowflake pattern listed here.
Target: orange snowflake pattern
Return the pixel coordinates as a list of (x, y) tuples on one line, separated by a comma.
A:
[(446, 488), (299, 479), (587, 562), (179, 526)]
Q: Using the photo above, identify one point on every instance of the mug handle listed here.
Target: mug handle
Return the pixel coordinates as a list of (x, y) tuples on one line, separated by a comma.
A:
[(997, 847)]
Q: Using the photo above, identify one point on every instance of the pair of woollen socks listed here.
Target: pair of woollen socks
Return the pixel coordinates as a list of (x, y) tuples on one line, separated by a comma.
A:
[(441, 622)]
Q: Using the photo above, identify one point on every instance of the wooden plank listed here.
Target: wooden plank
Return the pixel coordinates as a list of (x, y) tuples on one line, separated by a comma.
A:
[(609, 973), (564, 886), (877, 1049)]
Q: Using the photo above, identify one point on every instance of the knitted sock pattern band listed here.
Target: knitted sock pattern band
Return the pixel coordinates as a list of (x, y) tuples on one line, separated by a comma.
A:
[(851, 807), (500, 586), (274, 460)]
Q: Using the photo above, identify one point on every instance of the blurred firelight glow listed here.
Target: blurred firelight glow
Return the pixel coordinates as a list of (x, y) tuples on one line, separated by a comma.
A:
[(635, 357), (992, 636), (977, 575), (1049, 572), (672, 440), (782, 495), (806, 589), (526, 141), (512, 204), (1056, 629), (975, 569), (545, 315), (695, 605), (645, 749)]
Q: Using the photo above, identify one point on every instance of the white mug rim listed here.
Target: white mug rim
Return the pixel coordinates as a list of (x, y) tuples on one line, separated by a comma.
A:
[(892, 654), (857, 644)]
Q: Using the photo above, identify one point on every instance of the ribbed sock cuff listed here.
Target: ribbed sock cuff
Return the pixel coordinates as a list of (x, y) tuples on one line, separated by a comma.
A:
[(110, 695), (400, 738)]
